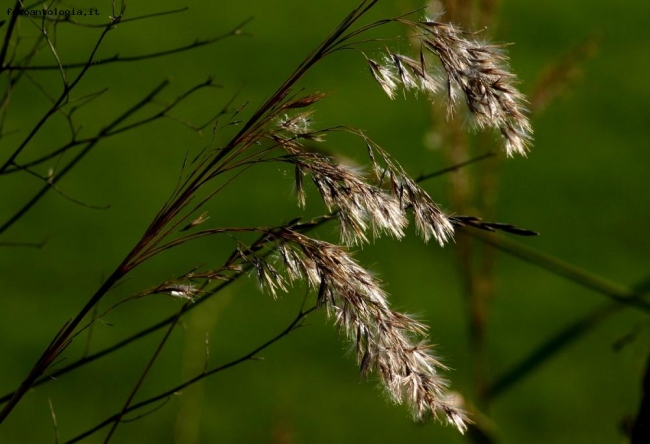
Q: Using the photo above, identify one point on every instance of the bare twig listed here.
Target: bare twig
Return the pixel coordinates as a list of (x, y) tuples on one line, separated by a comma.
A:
[(295, 324), (237, 31), (89, 146), (62, 98), (145, 372)]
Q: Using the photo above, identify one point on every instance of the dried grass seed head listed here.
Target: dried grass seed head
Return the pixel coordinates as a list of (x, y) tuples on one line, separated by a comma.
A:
[(361, 206), (430, 220), (474, 70), (388, 343)]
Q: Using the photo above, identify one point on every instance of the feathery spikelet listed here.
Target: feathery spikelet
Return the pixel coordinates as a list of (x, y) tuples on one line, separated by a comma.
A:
[(360, 205), (430, 220), (474, 70), (388, 344)]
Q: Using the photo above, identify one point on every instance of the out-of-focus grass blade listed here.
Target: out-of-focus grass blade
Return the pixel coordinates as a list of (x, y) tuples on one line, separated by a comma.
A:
[(618, 293), (549, 348), (577, 329), (641, 430)]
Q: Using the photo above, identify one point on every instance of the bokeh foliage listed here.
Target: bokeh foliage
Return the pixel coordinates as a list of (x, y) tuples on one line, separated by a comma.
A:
[(583, 187)]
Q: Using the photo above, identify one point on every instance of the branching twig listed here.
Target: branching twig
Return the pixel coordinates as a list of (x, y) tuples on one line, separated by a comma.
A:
[(111, 130), (302, 226), (295, 324), (62, 98), (117, 59), (8, 35), (145, 372), (89, 146)]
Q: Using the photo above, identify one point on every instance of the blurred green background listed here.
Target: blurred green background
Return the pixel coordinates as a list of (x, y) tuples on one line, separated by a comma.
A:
[(584, 187)]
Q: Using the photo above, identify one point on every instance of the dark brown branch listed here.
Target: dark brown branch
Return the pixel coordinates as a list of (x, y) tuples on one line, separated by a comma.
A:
[(38, 245), (49, 180), (641, 429), (456, 167)]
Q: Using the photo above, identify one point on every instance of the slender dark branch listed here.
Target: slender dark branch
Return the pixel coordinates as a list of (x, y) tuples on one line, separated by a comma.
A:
[(456, 167), (64, 95), (145, 372), (295, 324), (103, 134), (163, 112), (475, 222), (54, 53), (81, 155), (156, 14), (148, 412), (117, 59), (49, 180), (8, 34), (86, 99), (38, 245)]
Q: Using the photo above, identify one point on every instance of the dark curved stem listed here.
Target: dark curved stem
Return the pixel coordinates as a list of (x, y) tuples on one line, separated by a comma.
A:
[(61, 341), (9, 33), (62, 98), (107, 130), (144, 374), (153, 55), (247, 357)]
